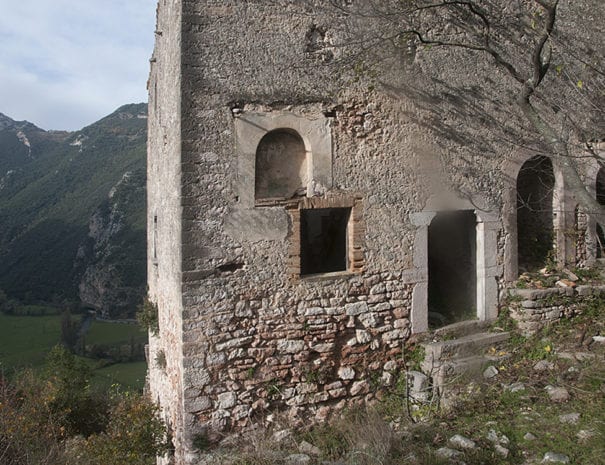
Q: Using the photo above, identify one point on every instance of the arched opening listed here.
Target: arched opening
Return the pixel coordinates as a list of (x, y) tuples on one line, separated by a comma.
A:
[(281, 165), (535, 232), (452, 266), (600, 191)]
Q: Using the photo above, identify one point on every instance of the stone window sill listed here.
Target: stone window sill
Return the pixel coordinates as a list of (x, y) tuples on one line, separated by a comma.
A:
[(326, 276)]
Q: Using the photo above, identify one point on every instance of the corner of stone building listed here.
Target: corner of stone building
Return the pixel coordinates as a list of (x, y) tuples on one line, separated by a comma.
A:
[(164, 222)]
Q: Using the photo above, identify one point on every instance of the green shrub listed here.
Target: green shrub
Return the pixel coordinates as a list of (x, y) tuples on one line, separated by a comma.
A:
[(135, 435), (39, 411), (160, 360), (147, 315), (30, 433), (68, 393), (53, 418), (588, 274)]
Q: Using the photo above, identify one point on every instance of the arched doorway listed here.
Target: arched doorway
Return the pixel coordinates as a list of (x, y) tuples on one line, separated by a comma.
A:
[(535, 232)]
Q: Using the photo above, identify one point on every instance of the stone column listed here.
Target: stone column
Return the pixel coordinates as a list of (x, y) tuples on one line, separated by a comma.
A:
[(419, 316), (564, 222), (487, 267), (509, 221)]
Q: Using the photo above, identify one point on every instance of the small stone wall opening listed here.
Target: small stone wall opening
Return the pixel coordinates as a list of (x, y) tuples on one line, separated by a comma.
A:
[(323, 240), (155, 238), (281, 169), (600, 191), (452, 263), (535, 232)]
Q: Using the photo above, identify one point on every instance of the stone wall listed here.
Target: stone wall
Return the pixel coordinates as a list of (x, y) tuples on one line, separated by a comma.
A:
[(164, 218), (244, 331), (257, 336), (582, 224), (533, 309), (309, 352)]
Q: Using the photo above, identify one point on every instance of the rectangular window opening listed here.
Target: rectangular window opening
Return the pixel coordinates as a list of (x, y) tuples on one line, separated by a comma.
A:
[(323, 241)]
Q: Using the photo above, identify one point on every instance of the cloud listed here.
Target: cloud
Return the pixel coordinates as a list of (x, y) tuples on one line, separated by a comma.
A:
[(66, 63)]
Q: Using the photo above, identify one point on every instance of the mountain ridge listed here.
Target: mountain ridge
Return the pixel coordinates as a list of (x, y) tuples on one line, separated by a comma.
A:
[(54, 185), (6, 122)]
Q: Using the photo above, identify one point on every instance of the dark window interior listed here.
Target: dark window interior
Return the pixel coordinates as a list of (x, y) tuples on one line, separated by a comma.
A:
[(535, 235), (323, 240), (601, 200)]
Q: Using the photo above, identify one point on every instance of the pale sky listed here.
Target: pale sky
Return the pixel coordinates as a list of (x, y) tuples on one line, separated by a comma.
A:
[(64, 64)]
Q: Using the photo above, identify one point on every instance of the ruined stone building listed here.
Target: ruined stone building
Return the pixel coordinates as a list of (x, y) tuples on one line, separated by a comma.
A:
[(309, 211)]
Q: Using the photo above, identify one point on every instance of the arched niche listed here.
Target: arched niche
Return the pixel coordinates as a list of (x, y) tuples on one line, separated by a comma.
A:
[(273, 137), (281, 167), (535, 222)]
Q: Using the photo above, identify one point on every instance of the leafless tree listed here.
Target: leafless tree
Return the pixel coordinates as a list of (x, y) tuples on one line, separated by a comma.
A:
[(540, 59)]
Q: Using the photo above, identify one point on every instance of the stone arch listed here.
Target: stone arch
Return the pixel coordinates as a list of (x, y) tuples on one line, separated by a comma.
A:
[(281, 166), (562, 217), (535, 187), (598, 230)]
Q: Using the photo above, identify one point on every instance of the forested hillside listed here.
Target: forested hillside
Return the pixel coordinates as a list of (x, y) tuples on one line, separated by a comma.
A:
[(72, 212)]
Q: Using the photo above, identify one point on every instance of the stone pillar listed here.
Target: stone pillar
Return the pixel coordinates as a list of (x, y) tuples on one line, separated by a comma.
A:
[(509, 221), (487, 268), (591, 238), (420, 317), (564, 222)]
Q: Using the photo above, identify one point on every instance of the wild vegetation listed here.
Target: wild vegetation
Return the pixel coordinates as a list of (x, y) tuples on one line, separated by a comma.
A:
[(57, 417)]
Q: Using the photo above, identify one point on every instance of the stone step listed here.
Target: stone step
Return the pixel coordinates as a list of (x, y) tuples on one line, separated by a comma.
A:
[(472, 367), (437, 353), (468, 366), (461, 329)]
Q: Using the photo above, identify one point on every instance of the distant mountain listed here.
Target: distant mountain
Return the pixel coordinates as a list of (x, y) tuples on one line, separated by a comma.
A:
[(72, 212)]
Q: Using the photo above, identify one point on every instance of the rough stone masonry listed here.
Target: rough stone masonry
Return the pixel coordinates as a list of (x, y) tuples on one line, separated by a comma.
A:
[(293, 195)]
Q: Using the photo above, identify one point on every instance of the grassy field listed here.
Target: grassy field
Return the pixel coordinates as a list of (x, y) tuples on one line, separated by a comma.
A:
[(102, 332), (25, 341), (129, 375)]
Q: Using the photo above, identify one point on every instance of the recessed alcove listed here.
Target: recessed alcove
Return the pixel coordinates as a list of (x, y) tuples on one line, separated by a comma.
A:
[(535, 231), (600, 193), (281, 155), (281, 168)]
